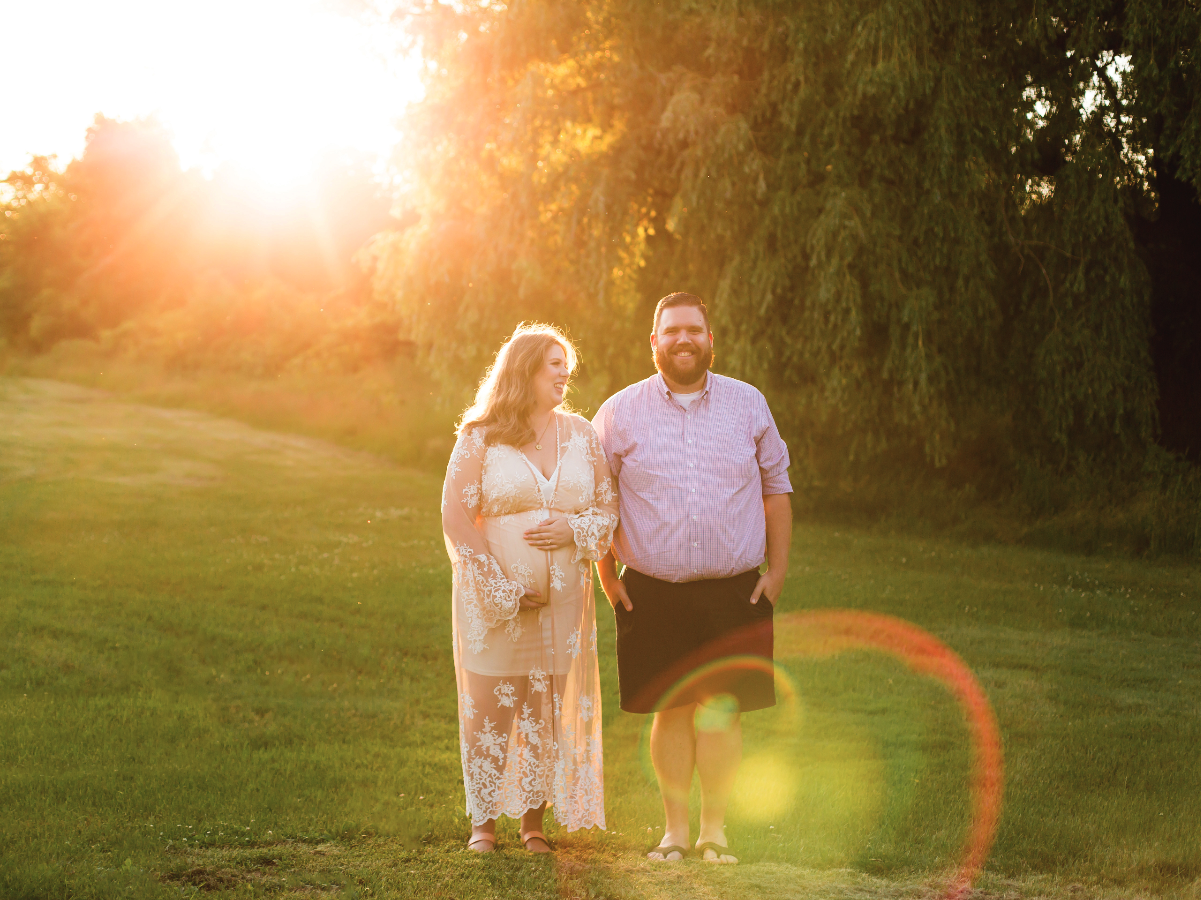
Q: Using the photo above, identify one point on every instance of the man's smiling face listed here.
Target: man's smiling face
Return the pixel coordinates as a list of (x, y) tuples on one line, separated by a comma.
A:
[(683, 346)]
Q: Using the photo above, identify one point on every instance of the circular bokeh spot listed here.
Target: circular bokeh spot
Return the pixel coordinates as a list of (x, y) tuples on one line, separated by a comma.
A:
[(823, 634)]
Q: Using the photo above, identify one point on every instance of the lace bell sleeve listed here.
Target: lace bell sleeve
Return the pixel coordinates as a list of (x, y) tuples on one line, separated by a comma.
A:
[(489, 598), (593, 527)]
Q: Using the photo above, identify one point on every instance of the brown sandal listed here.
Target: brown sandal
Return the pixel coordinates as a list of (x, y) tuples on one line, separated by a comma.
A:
[(488, 840), (536, 836), (666, 850), (718, 852)]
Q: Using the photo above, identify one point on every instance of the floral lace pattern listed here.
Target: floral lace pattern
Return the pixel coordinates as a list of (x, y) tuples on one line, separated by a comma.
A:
[(537, 680), (593, 530), (529, 695), (488, 597)]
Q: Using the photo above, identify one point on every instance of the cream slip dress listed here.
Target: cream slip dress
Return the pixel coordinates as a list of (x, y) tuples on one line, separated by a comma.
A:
[(529, 685)]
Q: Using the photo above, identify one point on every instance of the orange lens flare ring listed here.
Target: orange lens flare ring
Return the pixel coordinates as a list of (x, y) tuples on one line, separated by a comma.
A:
[(825, 633)]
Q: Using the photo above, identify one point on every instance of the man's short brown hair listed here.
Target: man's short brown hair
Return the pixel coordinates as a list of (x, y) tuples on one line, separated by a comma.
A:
[(680, 298)]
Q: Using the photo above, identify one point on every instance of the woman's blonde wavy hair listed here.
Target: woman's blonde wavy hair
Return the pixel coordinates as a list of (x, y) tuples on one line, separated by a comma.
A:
[(505, 397)]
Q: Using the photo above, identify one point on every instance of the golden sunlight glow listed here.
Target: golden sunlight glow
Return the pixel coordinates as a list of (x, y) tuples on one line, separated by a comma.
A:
[(767, 787), (268, 85), (839, 790)]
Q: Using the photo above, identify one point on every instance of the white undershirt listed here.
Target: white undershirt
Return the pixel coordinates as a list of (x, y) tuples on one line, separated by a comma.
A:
[(685, 400)]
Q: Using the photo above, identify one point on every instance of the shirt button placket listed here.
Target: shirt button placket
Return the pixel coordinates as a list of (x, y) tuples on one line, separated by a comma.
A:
[(693, 529)]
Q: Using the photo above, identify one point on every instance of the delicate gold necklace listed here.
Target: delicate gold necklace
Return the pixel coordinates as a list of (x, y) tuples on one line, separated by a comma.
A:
[(538, 443)]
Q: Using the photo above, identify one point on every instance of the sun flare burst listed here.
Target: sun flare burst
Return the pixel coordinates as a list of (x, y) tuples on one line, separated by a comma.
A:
[(269, 86)]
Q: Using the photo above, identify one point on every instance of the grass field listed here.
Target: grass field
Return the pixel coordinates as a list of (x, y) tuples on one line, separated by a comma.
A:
[(225, 668)]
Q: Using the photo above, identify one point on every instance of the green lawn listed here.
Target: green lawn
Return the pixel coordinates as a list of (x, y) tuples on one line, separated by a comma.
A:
[(225, 667)]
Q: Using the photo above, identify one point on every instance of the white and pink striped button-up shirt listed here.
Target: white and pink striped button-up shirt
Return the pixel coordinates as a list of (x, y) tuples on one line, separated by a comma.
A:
[(692, 481)]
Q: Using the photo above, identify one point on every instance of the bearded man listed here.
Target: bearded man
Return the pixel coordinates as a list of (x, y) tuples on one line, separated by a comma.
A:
[(703, 485)]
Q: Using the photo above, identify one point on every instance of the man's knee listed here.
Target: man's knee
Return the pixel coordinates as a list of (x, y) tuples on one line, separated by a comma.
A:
[(676, 720), (676, 713), (718, 713)]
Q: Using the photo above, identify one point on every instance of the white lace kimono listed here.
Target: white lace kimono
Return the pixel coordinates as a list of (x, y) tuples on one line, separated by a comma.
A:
[(529, 686)]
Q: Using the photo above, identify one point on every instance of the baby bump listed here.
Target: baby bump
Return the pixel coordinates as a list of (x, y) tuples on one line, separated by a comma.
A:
[(547, 573), (506, 543)]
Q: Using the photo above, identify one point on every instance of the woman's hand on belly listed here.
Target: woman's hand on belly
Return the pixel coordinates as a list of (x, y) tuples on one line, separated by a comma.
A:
[(550, 534), (531, 599)]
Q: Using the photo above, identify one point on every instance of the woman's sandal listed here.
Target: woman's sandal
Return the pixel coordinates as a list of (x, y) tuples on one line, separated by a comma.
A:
[(667, 849), (536, 836), (488, 841), (716, 848)]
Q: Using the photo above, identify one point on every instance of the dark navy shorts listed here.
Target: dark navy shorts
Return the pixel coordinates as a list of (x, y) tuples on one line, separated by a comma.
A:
[(694, 641)]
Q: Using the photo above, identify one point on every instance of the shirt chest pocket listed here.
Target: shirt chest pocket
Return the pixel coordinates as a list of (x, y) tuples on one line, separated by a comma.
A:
[(653, 477), (725, 467), (730, 466)]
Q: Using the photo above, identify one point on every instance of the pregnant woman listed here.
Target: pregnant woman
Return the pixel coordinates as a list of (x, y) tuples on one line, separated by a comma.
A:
[(527, 503)]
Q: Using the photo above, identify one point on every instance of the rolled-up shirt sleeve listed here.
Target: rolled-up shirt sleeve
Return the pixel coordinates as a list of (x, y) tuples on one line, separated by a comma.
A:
[(771, 452)]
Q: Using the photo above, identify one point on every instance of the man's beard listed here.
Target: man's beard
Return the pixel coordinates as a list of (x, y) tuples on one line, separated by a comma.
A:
[(684, 371)]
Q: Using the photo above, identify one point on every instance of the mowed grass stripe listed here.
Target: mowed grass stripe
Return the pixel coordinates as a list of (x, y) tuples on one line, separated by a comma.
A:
[(226, 667)]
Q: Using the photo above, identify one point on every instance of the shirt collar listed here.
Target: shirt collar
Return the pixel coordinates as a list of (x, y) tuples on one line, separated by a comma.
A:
[(667, 392)]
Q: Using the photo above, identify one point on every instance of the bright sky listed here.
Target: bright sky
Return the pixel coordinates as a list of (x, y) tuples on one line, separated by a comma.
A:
[(269, 84)]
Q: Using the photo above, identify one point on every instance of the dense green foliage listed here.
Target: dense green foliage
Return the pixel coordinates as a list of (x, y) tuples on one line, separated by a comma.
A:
[(958, 245), (917, 222), (239, 679)]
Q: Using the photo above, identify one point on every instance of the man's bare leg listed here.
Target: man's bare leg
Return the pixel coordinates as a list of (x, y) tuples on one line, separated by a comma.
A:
[(718, 755), (673, 753)]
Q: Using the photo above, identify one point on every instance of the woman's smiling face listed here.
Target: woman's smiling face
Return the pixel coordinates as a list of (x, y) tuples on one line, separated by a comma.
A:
[(550, 381)]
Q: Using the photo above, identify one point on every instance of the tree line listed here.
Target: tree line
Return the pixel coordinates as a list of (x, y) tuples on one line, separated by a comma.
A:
[(960, 227), (124, 246), (950, 237)]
